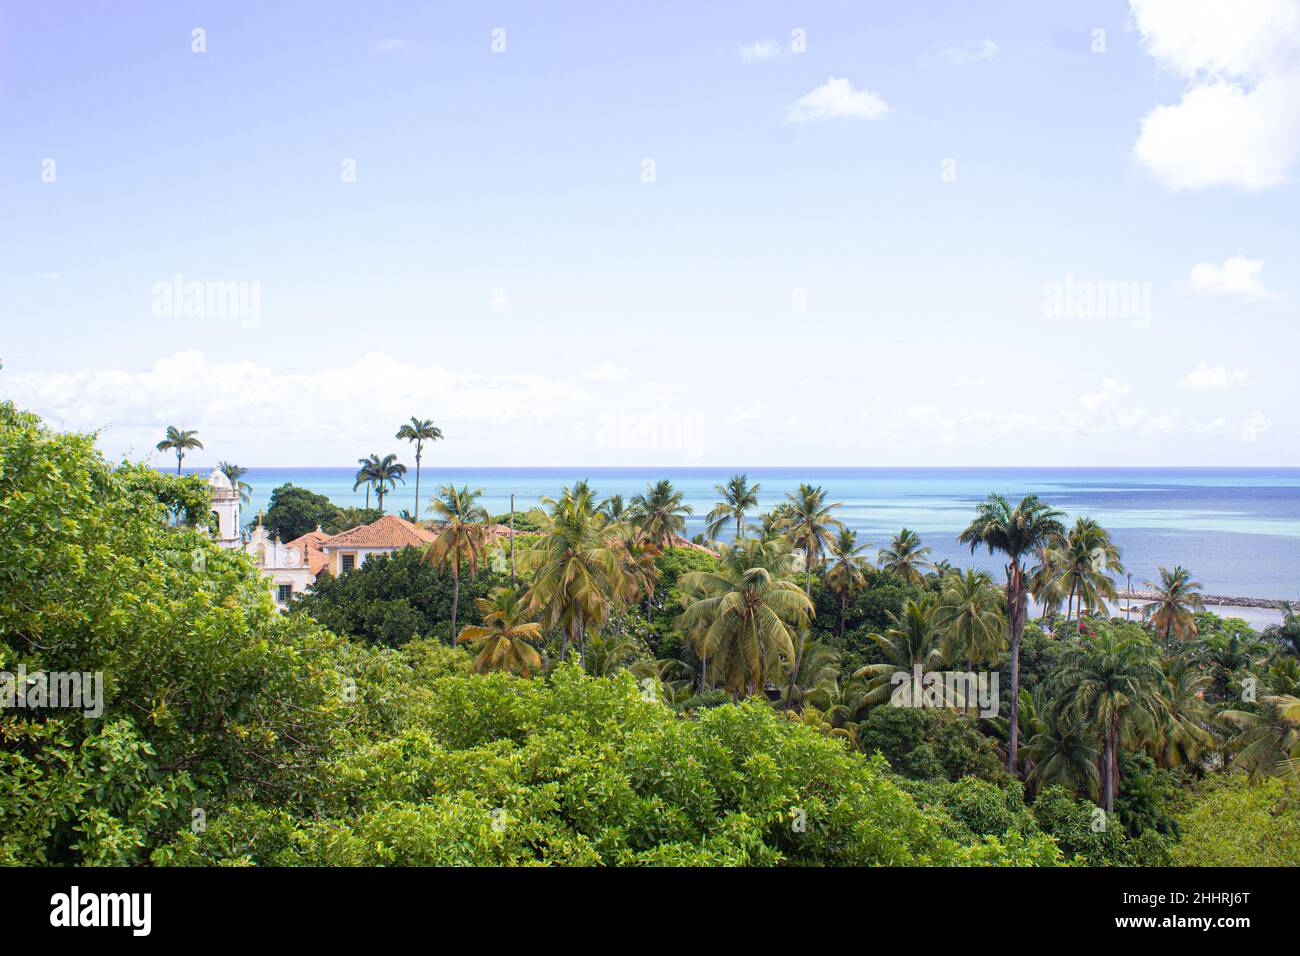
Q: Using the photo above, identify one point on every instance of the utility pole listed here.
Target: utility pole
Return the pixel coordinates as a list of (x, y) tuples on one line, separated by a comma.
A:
[(1128, 607), (512, 540)]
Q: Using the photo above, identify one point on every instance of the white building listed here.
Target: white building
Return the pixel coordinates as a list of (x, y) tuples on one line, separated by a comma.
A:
[(289, 568), (225, 510)]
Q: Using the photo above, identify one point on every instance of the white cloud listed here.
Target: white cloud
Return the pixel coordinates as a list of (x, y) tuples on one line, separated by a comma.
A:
[(835, 99), (1238, 122), (1110, 392), (391, 45), (986, 49), (288, 417), (1236, 275), (1254, 425), (1207, 376), (761, 51), (967, 382), (606, 371)]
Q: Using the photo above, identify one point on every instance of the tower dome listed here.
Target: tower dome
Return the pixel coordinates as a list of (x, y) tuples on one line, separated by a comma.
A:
[(220, 484)]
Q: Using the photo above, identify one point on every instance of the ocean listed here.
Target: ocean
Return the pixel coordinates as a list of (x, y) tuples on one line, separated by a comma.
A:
[(1237, 530)]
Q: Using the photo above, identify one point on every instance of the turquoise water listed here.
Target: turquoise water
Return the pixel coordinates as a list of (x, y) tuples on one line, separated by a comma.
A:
[(1238, 530)]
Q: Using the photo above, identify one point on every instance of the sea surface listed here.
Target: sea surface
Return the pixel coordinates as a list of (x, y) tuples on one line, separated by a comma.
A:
[(1237, 530)]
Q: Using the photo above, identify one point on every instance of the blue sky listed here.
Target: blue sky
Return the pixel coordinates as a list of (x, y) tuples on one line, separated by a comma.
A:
[(802, 279)]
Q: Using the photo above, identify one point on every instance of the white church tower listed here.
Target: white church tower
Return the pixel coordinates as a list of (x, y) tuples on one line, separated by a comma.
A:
[(225, 510)]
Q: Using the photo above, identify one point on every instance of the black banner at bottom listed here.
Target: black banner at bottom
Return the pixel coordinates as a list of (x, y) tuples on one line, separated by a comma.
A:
[(338, 906)]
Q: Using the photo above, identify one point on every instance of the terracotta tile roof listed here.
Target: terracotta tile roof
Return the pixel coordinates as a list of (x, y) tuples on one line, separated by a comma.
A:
[(310, 544), (389, 531)]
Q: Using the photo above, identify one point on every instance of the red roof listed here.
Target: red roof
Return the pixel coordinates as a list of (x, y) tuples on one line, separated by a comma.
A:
[(389, 531)]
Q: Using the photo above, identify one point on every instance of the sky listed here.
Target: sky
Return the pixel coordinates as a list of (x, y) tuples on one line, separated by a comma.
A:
[(825, 233)]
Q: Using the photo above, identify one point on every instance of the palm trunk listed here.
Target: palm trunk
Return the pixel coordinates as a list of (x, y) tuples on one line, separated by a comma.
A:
[(455, 597), (512, 539), (582, 643), (417, 484), (844, 600), (1016, 624), (794, 674)]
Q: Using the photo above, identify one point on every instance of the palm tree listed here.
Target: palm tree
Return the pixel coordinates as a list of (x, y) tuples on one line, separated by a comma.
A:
[(911, 641), (738, 497), (388, 472), (419, 432), (1061, 751), (807, 521), (639, 568), (1084, 562), (847, 575), (1113, 686), (660, 513), (1044, 579), (819, 667), (1268, 743), (366, 475), (905, 558), (180, 442), (234, 473), (939, 570), (462, 539), (578, 569), (744, 615), (1016, 532), (613, 508), (1176, 598), (1182, 733), (506, 636), (970, 618)]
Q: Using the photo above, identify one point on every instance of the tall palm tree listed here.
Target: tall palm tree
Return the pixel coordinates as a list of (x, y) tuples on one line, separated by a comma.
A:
[(577, 568), (1112, 685), (905, 558), (462, 539), (744, 615), (847, 575), (660, 513), (1084, 562), (738, 497), (1016, 532), (1177, 597), (234, 473), (970, 618), (418, 431), (806, 519), (180, 442), (388, 472), (910, 641), (366, 475), (506, 637)]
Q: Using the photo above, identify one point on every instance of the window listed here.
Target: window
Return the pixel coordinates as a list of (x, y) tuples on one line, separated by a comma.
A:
[(285, 593), (349, 562)]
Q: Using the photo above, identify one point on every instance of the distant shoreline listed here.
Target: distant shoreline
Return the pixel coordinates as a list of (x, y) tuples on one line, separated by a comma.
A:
[(1215, 600)]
